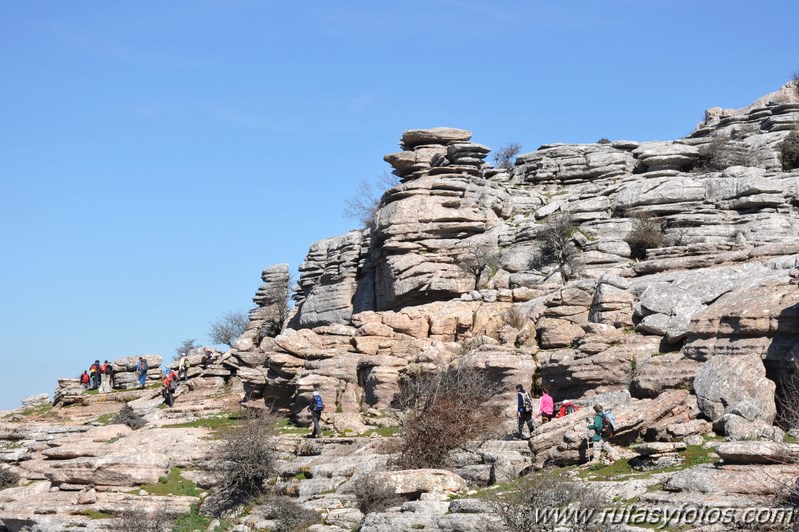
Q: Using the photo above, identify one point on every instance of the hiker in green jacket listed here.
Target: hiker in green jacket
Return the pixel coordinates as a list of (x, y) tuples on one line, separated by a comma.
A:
[(599, 440)]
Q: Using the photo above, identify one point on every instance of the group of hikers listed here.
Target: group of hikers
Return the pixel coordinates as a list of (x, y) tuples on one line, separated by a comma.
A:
[(598, 431), (98, 377)]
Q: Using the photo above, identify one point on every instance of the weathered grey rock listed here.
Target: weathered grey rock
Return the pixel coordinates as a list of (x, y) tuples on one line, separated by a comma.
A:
[(411, 482), (652, 448), (757, 452), (436, 135), (735, 385)]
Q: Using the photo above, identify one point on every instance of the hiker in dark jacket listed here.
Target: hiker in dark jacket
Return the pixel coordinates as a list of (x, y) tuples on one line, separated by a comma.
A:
[(524, 411)]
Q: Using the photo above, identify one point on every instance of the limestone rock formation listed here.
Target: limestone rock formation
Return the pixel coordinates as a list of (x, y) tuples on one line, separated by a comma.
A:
[(688, 334)]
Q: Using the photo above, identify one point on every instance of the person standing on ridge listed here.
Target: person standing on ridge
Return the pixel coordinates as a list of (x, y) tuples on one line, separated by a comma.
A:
[(141, 371), (183, 367), (94, 375), (316, 408), (168, 389)]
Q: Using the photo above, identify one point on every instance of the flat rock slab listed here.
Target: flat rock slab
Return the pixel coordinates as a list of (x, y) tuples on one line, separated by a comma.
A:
[(651, 448), (411, 482), (758, 452)]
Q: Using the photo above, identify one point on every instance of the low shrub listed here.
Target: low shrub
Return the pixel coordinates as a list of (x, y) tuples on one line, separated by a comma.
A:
[(524, 508), (245, 461), (128, 416), (374, 495), (645, 234), (516, 317), (8, 478), (789, 149), (287, 514), (721, 152)]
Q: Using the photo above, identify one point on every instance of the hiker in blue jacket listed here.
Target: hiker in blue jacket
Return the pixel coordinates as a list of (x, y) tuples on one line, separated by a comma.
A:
[(316, 408), (141, 371)]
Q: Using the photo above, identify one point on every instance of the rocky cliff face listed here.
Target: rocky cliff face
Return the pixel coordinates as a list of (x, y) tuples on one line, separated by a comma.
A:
[(698, 335), (376, 302)]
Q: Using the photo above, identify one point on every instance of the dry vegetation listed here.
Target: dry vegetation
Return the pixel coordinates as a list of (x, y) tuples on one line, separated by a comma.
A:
[(557, 248), (447, 409), (520, 509), (646, 233)]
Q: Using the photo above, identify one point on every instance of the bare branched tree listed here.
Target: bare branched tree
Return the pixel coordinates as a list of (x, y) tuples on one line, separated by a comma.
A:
[(505, 156), (363, 205), (556, 247), (448, 408), (476, 257), (226, 329), (185, 346)]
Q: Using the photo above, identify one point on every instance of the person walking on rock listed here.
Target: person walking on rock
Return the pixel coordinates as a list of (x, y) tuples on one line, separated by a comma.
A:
[(84, 379), (183, 367), (546, 406), (524, 411), (141, 371), (602, 433), (316, 408), (168, 389), (94, 375), (109, 376), (105, 377)]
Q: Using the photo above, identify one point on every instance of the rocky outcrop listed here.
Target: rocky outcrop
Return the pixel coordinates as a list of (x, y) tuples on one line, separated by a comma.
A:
[(734, 393)]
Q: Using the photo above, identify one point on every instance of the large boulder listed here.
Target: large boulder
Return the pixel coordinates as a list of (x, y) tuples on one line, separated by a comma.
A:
[(734, 393)]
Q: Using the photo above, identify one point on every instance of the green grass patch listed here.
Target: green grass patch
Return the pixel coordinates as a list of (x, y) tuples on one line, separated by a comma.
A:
[(173, 483), (286, 428), (105, 419), (38, 410), (789, 439), (216, 423), (383, 431), (193, 520), (693, 455), (94, 514)]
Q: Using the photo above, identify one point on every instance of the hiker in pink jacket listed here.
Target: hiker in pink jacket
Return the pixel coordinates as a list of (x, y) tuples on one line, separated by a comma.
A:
[(546, 406)]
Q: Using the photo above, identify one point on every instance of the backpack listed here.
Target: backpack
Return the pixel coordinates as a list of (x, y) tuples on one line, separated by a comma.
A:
[(318, 405), (608, 424), (527, 402), (144, 366)]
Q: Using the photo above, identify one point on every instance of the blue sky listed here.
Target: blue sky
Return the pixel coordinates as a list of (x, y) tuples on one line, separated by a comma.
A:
[(156, 156)]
